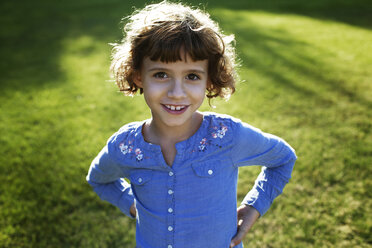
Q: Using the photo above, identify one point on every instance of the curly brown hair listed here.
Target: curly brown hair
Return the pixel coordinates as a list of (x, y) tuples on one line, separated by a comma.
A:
[(162, 32)]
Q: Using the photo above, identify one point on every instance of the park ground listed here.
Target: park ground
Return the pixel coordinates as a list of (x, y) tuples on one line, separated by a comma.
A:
[(306, 76)]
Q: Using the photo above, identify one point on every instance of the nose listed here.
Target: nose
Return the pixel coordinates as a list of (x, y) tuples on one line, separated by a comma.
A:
[(177, 90)]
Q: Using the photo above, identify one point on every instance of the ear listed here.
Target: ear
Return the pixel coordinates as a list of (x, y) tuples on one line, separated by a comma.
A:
[(137, 79)]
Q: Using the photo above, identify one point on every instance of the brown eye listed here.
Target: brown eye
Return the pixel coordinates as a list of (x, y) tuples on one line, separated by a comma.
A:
[(192, 77), (160, 75)]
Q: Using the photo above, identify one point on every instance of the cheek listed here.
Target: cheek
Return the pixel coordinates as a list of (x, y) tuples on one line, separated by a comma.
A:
[(152, 93), (198, 91), (153, 89)]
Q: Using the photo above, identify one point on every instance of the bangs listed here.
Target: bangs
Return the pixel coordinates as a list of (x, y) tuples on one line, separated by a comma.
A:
[(171, 43)]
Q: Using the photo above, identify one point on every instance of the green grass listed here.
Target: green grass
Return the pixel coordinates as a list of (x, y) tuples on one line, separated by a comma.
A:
[(306, 71)]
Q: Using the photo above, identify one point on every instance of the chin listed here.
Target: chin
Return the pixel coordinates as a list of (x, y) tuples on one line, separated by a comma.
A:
[(175, 123)]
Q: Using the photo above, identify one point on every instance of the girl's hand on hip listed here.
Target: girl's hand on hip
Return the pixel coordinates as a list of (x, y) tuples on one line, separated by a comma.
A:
[(133, 211), (247, 216)]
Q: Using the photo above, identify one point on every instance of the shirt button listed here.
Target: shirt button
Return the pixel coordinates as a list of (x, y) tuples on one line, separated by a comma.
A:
[(170, 210), (140, 180), (170, 173), (169, 246), (170, 192), (170, 228), (210, 172)]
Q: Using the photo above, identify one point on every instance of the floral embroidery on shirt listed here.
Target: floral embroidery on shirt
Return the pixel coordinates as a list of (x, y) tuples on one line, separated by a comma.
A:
[(218, 132), (125, 148), (139, 154), (128, 149), (203, 144)]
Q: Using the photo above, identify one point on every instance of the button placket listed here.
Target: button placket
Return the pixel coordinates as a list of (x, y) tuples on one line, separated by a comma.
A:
[(170, 207)]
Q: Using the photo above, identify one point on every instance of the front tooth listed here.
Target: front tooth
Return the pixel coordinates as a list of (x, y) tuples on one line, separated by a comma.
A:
[(173, 108), (178, 108)]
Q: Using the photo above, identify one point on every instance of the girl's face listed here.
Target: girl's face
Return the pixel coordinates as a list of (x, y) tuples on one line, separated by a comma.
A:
[(173, 91)]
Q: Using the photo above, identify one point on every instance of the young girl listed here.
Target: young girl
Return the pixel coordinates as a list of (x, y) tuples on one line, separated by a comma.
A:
[(183, 164)]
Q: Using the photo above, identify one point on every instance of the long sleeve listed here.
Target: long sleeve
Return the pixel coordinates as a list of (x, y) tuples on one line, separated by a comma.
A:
[(106, 177), (254, 147)]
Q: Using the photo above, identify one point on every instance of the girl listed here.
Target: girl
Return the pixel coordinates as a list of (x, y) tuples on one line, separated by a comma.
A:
[(183, 164)]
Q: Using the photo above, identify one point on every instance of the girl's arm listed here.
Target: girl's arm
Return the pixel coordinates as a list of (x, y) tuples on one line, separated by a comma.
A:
[(253, 147), (106, 177)]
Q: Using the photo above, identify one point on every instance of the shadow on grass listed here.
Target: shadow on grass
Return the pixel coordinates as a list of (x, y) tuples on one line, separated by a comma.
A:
[(260, 48), (356, 13), (32, 35)]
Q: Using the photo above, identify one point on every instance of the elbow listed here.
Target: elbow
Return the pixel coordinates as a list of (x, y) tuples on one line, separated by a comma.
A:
[(293, 156), (292, 153)]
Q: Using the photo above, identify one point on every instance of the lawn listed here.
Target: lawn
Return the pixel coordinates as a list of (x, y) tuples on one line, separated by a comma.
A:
[(305, 74)]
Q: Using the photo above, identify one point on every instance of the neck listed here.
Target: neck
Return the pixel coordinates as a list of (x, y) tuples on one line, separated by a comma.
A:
[(159, 134)]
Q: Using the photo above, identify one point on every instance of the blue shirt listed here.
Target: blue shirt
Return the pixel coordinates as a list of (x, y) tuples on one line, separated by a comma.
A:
[(194, 202)]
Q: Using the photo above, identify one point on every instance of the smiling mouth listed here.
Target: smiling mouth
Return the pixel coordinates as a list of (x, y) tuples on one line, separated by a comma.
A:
[(175, 109), (172, 107)]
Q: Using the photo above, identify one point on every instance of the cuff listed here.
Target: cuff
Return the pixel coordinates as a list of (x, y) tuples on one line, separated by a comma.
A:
[(126, 201), (257, 199)]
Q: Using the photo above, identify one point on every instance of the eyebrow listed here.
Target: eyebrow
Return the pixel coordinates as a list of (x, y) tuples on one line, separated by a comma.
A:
[(166, 69)]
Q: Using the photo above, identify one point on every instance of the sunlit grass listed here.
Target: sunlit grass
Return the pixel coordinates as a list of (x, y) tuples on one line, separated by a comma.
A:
[(309, 81), (305, 79)]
